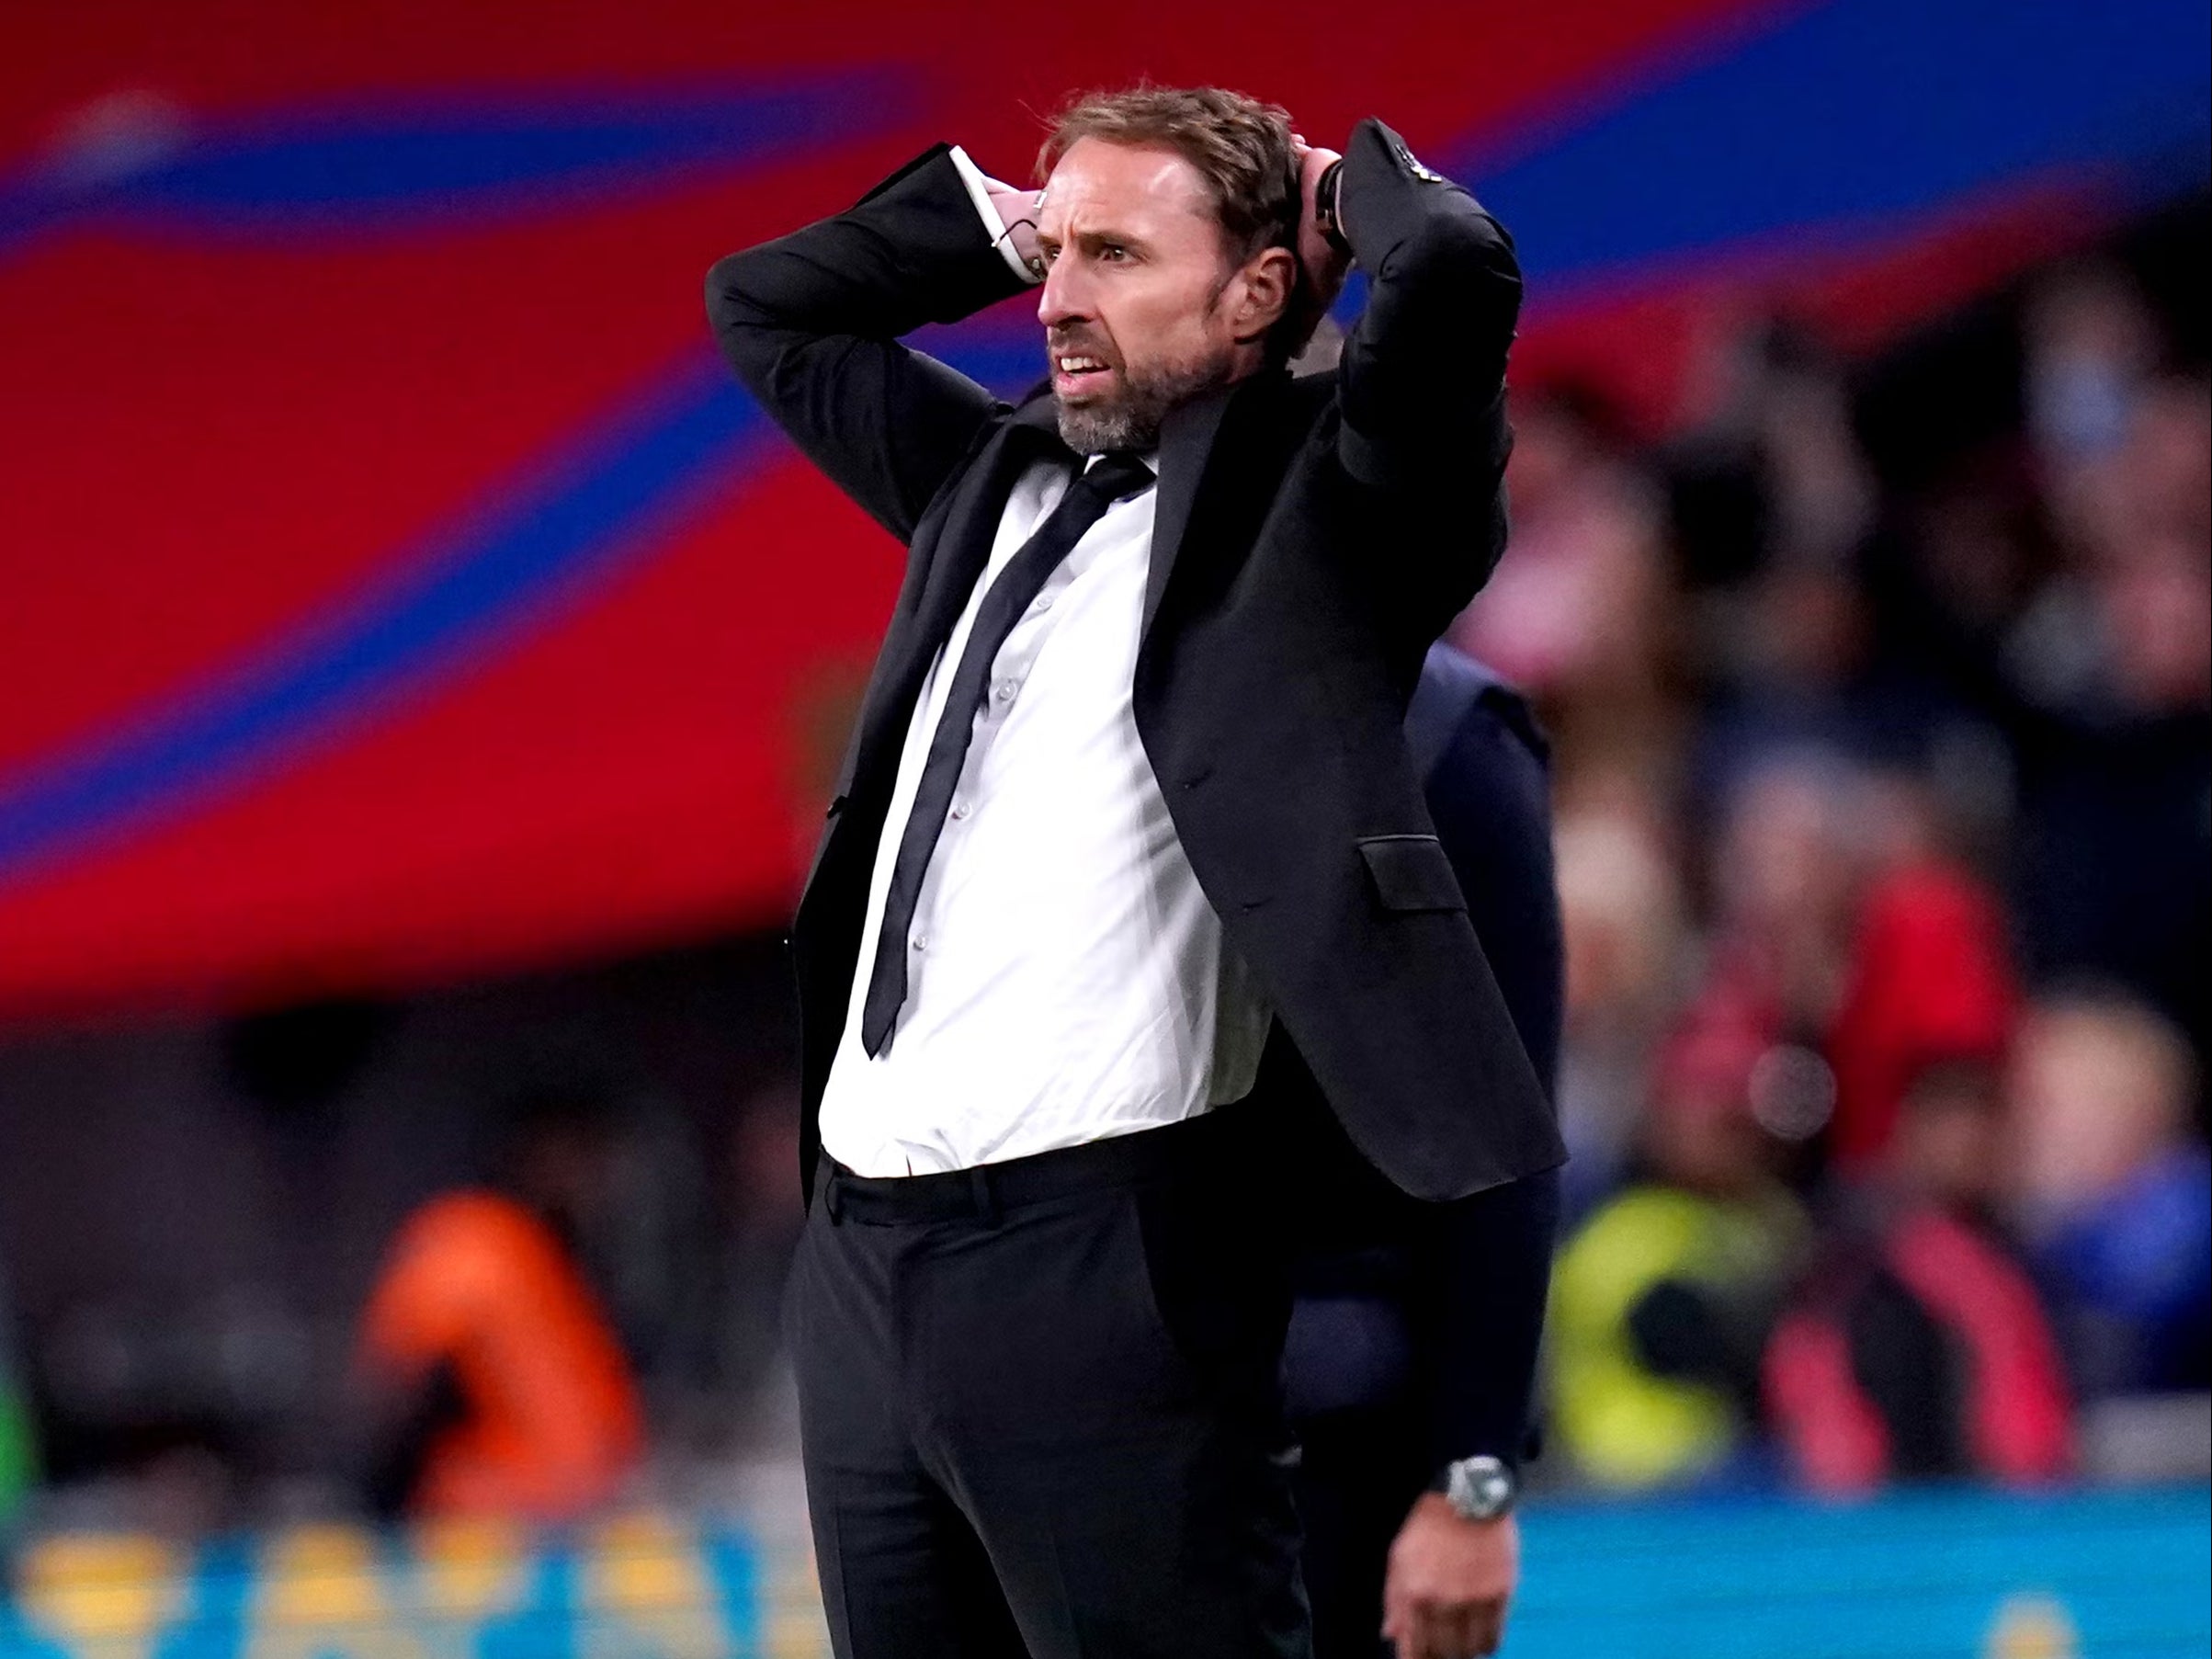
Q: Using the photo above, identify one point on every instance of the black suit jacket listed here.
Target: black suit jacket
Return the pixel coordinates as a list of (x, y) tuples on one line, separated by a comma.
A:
[(1427, 1318), (1312, 538)]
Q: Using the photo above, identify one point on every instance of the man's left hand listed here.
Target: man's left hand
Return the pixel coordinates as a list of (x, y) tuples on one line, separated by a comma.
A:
[(1449, 1581), (1321, 267)]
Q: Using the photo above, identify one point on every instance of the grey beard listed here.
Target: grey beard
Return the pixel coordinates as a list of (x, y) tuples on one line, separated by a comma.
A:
[(1131, 422)]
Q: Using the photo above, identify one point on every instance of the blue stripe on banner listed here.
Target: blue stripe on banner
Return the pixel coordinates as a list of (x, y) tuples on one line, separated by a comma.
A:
[(1858, 111), (393, 166), (576, 518)]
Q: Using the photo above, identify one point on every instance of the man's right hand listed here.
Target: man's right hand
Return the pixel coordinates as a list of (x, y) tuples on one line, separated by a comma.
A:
[(1017, 212)]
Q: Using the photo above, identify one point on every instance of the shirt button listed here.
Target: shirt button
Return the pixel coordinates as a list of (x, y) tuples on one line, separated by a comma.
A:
[(1044, 603), (959, 808), (1004, 691), (921, 941)]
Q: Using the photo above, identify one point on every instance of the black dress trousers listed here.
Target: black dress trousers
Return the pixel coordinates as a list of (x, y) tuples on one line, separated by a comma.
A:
[(1040, 1408)]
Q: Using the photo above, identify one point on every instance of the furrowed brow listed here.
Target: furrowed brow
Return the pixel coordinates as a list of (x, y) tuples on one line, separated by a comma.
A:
[(1091, 241)]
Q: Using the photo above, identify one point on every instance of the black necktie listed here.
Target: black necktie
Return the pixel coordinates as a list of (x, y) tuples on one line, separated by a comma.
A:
[(1017, 585)]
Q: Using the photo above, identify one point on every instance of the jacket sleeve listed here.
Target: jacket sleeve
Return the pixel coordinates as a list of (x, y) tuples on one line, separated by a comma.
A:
[(1481, 1281), (1483, 1272), (812, 322), (1422, 375)]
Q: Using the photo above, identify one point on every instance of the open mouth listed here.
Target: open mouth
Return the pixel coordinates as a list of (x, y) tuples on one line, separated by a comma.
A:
[(1077, 372)]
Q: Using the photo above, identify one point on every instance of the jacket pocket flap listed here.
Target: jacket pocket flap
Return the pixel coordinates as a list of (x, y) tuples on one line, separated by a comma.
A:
[(1411, 872)]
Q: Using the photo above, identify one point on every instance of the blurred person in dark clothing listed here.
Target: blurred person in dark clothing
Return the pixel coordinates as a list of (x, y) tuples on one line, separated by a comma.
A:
[(2114, 723), (1390, 1293), (1773, 504), (491, 1379), (1917, 1347), (1772, 474), (1663, 1299), (2114, 1192), (2060, 583)]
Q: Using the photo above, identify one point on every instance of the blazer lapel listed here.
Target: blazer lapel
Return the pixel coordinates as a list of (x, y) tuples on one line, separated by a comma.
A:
[(961, 549), (1186, 438), (951, 548), (1214, 450)]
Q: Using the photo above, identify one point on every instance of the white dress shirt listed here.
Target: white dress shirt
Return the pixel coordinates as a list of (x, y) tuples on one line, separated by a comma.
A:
[(1066, 979)]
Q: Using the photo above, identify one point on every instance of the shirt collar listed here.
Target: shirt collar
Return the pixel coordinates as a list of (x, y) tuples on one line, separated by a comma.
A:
[(1151, 458)]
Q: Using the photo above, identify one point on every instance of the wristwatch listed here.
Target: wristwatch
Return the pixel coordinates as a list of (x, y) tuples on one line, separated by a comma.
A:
[(1327, 220), (1478, 1489)]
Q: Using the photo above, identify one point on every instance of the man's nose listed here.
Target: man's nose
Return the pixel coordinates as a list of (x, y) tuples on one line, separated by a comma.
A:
[(1063, 298)]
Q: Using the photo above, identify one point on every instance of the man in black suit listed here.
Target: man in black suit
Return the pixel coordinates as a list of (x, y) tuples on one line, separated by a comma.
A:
[(1414, 1331), (1128, 793)]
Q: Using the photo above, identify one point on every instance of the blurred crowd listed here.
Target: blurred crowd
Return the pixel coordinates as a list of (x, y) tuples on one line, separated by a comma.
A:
[(1882, 706), (1880, 692)]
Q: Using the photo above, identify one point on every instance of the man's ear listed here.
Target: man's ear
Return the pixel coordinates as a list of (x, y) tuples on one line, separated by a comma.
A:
[(1269, 282)]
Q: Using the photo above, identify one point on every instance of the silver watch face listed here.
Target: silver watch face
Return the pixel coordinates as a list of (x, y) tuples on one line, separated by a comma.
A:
[(1479, 1489)]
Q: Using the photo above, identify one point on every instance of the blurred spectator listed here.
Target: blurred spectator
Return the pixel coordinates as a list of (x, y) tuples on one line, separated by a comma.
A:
[(2059, 581), (2089, 348), (493, 1382), (1783, 878), (2113, 667), (1917, 1347), (2115, 867), (2114, 1193), (1928, 980), (1622, 914), (1784, 426), (1773, 503), (1581, 616), (1662, 1301), (1842, 929)]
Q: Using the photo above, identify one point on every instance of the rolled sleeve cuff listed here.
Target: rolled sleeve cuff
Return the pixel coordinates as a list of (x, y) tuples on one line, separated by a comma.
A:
[(979, 192)]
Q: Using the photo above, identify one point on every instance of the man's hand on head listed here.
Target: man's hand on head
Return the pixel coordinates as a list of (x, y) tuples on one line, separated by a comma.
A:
[(1449, 1581), (1017, 212), (1322, 265)]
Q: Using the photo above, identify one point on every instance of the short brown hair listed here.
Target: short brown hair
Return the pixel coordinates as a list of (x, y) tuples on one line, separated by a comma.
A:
[(1240, 147)]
